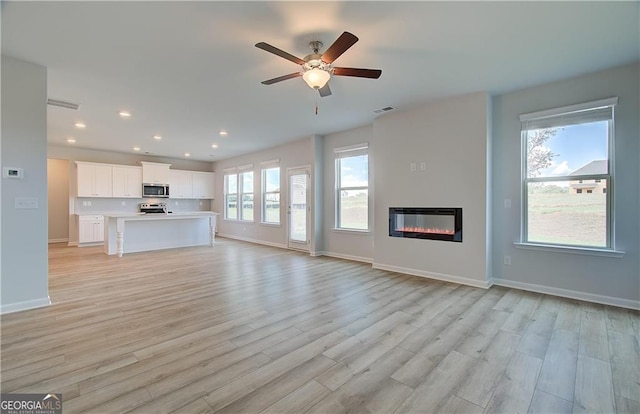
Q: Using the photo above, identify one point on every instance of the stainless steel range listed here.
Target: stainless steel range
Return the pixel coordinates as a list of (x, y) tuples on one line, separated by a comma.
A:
[(151, 208)]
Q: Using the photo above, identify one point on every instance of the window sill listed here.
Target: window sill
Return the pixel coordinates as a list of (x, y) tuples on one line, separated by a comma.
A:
[(262, 223), (570, 249), (352, 231)]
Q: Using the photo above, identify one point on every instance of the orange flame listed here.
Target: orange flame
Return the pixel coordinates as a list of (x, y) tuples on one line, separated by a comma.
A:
[(426, 230)]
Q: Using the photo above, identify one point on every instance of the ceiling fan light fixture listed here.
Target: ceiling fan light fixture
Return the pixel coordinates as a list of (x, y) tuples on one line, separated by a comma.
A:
[(316, 78)]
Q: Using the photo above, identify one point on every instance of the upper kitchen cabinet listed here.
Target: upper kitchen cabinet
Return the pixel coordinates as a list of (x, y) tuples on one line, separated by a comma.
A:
[(203, 185), (180, 184), (127, 182), (155, 173), (94, 180)]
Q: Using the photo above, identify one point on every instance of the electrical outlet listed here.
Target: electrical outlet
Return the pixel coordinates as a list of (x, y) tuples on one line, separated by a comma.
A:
[(124, 203), (507, 260), (84, 204), (201, 204), (89, 203), (423, 166), (412, 166)]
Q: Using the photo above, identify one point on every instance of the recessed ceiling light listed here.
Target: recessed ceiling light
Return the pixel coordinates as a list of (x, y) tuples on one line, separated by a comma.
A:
[(214, 146), (157, 137), (80, 125), (186, 154), (224, 133), (136, 148), (125, 114), (71, 140)]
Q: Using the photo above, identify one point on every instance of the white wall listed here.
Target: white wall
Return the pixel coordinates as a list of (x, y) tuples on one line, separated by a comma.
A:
[(604, 279), (339, 243), (295, 154), (58, 200), (24, 144), (451, 137)]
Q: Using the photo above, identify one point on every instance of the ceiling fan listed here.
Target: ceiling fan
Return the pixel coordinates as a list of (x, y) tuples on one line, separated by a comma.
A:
[(317, 68)]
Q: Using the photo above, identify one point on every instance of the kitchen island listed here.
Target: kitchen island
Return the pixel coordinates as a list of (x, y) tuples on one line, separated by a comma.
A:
[(127, 233)]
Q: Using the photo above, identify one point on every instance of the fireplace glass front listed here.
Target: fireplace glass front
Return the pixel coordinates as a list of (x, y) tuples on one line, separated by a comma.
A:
[(426, 223)]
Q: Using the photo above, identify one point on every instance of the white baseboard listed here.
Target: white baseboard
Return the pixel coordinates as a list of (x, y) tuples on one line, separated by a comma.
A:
[(344, 256), (27, 304), (250, 240), (72, 244), (66, 239), (432, 275), (571, 294)]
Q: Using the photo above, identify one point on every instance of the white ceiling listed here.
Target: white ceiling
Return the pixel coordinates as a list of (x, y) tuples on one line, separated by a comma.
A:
[(187, 70)]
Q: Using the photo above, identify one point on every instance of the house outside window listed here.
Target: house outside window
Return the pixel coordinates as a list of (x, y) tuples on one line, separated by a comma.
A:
[(245, 181), (231, 195), (271, 194), (352, 187), (568, 176)]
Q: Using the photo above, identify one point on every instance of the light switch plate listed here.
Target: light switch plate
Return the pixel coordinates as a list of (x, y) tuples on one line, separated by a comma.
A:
[(26, 203)]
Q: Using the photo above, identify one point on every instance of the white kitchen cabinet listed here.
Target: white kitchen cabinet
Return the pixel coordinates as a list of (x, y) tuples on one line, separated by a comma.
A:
[(94, 180), (90, 229), (203, 185), (155, 173), (127, 182), (180, 184)]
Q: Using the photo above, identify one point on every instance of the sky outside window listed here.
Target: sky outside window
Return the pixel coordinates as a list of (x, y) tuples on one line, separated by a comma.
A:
[(576, 146)]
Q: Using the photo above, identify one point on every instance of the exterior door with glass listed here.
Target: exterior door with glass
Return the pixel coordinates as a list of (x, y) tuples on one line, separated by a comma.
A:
[(298, 208)]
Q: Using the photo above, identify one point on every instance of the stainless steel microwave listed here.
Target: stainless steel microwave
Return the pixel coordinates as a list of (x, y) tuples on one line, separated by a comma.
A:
[(155, 190)]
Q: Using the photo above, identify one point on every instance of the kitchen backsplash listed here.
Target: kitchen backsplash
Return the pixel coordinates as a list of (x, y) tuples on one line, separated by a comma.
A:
[(131, 205)]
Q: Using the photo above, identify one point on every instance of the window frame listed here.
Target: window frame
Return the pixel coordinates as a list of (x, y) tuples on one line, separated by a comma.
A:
[(608, 176), (230, 173), (349, 152), (264, 193), (241, 193)]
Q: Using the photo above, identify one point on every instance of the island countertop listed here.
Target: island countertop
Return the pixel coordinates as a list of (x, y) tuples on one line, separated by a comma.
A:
[(162, 216), (137, 232)]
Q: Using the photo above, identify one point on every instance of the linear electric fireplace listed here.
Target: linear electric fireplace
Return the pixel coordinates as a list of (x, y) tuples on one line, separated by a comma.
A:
[(426, 223)]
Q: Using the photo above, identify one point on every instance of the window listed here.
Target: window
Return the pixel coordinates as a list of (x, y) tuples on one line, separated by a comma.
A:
[(567, 154), (246, 195), (231, 196), (352, 187), (271, 195)]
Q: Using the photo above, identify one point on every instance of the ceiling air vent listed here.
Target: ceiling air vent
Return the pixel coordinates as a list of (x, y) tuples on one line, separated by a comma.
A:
[(62, 104), (386, 109)]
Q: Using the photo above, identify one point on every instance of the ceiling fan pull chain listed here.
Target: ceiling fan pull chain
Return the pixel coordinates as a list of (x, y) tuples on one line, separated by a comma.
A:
[(316, 106)]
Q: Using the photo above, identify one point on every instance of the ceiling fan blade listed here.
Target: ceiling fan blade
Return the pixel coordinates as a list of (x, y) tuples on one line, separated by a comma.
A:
[(344, 42), (281, 78), (358, 73), (325, 90), (272, 49)]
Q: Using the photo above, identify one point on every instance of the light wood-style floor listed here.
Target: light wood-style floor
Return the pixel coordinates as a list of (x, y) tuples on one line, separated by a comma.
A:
[(243, 328)]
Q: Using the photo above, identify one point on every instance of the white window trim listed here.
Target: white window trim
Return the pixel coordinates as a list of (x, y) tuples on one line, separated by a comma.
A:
[(268, 165), (548, 113), (241, 193), (229, 172), (347, 152), (524, 243)]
